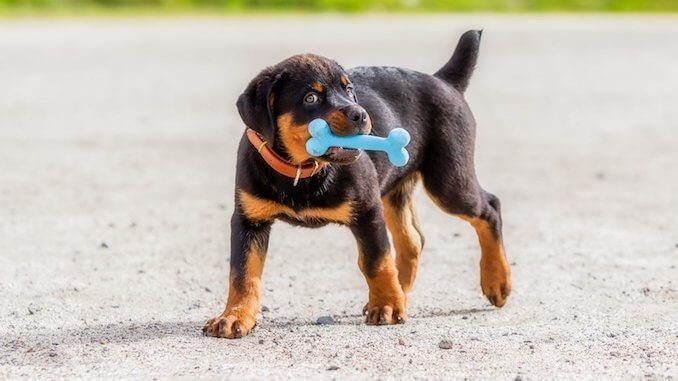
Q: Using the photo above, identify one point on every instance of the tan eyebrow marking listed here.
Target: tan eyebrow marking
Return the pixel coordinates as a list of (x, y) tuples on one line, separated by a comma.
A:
[(344, 80), (317, 86)]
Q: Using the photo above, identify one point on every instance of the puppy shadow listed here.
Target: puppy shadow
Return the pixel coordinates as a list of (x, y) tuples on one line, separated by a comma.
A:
[(51, 346), (357, 319), (432, 313)]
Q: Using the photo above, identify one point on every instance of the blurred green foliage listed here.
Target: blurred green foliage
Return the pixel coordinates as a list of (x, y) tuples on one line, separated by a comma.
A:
[(349, 5)]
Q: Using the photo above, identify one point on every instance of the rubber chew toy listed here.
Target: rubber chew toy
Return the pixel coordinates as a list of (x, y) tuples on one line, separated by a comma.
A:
[(394, 144)]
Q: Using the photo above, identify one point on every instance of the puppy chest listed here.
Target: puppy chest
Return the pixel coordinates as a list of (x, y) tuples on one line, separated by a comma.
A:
[(260, 209)]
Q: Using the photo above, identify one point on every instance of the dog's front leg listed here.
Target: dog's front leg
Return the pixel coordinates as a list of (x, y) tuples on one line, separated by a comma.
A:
[(386, 303), (249, 242)]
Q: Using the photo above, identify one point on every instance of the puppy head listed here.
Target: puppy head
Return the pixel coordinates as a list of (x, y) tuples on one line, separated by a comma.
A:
[(281, 101)]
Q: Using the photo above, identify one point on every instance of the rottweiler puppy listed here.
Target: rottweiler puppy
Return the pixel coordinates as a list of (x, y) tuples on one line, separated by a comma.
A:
[(277, 179)]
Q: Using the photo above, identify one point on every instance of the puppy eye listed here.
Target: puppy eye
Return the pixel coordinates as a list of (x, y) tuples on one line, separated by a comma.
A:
[(349, 91), (311, 98)]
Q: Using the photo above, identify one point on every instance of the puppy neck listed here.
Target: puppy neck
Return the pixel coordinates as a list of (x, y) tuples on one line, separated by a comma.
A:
[(279, 164)]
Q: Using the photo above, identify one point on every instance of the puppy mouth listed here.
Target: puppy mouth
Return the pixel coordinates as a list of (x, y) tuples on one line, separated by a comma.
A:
[(341, 155)]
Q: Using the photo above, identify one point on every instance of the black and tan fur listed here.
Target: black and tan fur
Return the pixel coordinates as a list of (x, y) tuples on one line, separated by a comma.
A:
[(362, 191)]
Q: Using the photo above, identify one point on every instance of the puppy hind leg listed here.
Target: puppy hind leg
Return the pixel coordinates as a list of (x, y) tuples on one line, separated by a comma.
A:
[(483, 211)]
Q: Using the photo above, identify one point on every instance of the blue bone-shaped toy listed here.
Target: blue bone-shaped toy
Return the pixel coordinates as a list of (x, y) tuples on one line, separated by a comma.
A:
[(394, 144)]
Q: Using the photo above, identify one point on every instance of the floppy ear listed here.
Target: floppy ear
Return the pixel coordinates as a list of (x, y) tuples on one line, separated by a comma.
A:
[(255, 105)]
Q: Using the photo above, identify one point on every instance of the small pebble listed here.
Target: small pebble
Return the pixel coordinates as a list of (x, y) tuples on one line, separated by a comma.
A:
[(518, 378), (104, 245), (445, 344), (333, 367), (325, 320), (401, 341), (263, 308), (261, 341)]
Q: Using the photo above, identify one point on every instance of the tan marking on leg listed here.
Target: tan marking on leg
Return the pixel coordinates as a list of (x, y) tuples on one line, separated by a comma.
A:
[(293, 137), (400, 221), (495, 273), (246, 298), (386, 299), (242, 306)]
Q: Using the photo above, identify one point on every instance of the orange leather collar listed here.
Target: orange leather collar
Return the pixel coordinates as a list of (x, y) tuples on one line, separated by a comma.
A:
[(279, 164)]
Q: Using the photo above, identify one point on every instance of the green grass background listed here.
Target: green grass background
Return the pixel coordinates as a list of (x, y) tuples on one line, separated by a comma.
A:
[(19, 7)]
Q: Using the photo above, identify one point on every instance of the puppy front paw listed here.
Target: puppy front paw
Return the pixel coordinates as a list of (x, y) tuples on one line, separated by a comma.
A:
[(229, 325), (383, 312)]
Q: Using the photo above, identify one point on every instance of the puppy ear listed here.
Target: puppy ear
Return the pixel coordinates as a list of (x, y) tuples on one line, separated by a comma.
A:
[(255, 105)]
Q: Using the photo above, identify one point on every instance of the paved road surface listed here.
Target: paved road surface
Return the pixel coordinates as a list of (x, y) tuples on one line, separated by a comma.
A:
[(117, 142)]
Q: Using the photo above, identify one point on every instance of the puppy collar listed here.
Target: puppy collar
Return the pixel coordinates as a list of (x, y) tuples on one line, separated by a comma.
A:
[(279, 164)]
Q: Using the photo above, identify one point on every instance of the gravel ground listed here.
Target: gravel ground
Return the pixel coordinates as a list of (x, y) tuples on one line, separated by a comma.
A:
[(117, 142)]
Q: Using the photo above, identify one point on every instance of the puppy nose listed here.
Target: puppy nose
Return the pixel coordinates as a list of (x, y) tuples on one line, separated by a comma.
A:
[(357, 115)]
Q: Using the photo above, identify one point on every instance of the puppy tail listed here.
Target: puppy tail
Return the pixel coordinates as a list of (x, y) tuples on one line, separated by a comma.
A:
[(457, 71)]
